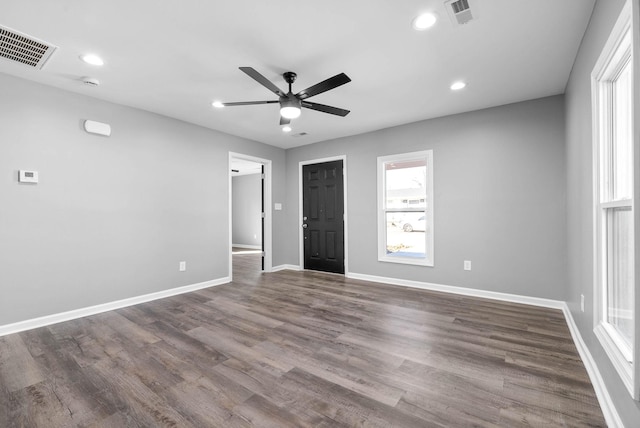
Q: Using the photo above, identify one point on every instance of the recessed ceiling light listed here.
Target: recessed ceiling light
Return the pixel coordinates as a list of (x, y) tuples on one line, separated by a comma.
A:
[(92, 59), (424, 21), (456, 86), (286, 129), (217, 104)]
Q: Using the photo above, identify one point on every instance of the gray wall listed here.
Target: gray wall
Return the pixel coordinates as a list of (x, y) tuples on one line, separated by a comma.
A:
[(247, 210), (499, 197), (111, 217), (580, 200)]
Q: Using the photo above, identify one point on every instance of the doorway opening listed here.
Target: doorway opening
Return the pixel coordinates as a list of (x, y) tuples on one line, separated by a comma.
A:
[(323, 219), (249, 216)]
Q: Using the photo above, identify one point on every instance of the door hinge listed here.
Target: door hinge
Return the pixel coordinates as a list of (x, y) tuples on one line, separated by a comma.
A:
[(262, 176), (263, 215), (263, 254)]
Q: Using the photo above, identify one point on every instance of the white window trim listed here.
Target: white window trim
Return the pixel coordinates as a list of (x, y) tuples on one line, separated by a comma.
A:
[(428, 211), (609, 338)]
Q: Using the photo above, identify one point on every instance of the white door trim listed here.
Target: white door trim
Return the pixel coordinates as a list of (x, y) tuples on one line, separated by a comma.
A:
[(268, 215), (343, 158)]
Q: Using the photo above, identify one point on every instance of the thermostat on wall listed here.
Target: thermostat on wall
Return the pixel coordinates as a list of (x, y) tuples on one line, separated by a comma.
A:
[(28, 176)]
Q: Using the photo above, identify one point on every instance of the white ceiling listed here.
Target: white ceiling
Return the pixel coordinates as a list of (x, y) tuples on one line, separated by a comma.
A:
[(175, 57)]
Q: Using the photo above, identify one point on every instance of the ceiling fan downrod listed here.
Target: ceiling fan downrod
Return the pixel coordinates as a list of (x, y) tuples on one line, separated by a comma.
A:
[(289, 77)]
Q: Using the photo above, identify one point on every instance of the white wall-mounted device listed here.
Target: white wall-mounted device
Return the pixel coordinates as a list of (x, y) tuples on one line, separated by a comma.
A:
[(99, 128), (27, 176), (90, 81)]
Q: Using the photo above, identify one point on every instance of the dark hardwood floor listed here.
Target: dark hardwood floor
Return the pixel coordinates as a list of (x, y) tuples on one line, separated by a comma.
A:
[(295, 349)]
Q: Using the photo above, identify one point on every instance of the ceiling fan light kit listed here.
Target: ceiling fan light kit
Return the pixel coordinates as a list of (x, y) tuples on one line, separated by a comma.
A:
[(291, 104)]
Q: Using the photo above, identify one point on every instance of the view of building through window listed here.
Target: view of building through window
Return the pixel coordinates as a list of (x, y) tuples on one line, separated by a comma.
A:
[(405, 196)]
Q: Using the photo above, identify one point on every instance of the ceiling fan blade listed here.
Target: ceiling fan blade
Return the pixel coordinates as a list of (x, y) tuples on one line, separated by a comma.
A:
[(284, 121), (324, 86), (262, 80), (248, 103), (326, 109)]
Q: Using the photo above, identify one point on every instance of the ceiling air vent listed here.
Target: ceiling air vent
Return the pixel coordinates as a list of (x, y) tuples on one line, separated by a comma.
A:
[(24, 49), (459, 11)]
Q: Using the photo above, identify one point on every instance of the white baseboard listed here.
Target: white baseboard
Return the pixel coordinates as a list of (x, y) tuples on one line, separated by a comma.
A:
[(92, 310), (515, 298), (249, 247), (606, 403), (285, 267)]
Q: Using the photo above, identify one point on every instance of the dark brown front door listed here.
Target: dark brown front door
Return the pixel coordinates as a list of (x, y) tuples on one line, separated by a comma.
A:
[(323, 216)]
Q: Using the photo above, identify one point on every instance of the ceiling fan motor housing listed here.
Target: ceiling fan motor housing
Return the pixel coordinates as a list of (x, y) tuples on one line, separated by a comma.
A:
[(288, 104)]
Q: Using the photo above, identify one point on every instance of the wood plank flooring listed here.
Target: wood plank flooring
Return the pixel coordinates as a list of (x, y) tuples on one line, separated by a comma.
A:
[(300, 349)]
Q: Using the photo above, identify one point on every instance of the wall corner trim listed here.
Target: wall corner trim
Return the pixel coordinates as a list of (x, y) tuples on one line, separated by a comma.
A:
[(104, 307), (285, 267), (606, 403)]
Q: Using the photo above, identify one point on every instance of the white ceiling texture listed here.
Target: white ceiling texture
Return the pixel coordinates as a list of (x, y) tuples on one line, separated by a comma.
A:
[(175, 57)]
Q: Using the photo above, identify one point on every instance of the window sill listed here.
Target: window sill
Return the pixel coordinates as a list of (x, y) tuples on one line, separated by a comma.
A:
[(406, 261), (622, 366)]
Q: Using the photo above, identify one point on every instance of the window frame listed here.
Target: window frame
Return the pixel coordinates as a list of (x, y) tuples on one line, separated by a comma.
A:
[(615, 56), (428, 211)]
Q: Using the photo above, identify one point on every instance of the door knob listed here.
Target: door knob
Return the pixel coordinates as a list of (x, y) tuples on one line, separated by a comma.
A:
[(304, 225)]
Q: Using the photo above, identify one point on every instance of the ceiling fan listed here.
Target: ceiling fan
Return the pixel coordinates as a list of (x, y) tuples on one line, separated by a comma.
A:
[(291, 104)]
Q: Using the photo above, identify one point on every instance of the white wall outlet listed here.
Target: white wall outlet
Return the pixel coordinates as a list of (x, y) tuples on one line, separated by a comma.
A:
[(182, 267), (27, 176), (277, 206), (467, 265), (582, 302)]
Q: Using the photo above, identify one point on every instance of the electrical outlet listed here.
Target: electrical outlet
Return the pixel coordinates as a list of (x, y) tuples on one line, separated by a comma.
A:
[(582, 302), (182, 267), (467, 265)]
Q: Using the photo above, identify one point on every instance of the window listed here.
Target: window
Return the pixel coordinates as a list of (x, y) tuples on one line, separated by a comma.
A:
[(405, 208), (612, 89)]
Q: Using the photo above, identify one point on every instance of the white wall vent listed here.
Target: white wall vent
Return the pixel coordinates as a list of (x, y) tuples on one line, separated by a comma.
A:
[(24, 49), (459, 11)]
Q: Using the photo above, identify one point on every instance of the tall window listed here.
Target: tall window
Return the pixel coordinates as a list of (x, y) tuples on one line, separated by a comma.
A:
[(612, 87), (405, 208)]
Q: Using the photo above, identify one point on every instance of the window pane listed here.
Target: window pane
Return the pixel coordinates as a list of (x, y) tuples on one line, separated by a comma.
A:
[(406, 208), (406, 184), (621, 147), (620, 288), (406, 234)]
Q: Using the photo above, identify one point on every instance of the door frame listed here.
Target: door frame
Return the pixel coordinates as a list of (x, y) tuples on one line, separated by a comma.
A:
[(267, 229), (343, 158)]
